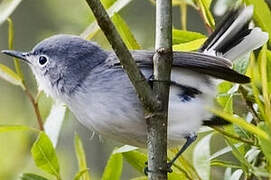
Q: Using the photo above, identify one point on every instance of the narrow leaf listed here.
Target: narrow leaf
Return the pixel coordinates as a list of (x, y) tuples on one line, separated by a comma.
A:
[(189, 46), (81, 157), (113, 167), (224, 151), (201, 157), (181, 36), (6, 8), (242, 123), (93, 28), (226, 164), (125, 32), (7, 74), (44, 155), (265, 144), (54, 122), (30, 176), (80, 175), (136, 159), (205, 9), (7, 128)]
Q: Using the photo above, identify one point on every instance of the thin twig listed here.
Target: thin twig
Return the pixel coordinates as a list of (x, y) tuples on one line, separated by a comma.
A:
[(36, 108), (233, 136), (249, 105)]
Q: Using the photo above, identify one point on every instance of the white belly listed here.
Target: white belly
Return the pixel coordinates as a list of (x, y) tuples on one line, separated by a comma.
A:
[(121, 116)]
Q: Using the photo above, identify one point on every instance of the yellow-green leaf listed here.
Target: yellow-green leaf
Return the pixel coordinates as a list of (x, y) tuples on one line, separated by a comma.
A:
[(44, 155), (93, 28), (81, 158), (125, 32), (242, 123), (181, 36), (261, 15), (7, 128), (136, 159), (262, 60), (113, 167), (265, 144), (30, 176), (205, 9), (80, 175), (189, 46), (9, 75), (6, 8)]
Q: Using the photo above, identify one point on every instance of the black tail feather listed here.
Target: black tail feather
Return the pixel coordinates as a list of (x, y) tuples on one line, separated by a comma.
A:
[(215, 121)]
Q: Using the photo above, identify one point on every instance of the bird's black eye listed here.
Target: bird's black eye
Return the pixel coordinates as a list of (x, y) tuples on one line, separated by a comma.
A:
[(42, 60)]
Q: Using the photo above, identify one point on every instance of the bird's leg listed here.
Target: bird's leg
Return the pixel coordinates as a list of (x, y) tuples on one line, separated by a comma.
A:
[(189, 140)]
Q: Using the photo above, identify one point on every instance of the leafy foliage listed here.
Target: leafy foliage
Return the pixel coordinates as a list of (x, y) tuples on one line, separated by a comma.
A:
[(247, 139)]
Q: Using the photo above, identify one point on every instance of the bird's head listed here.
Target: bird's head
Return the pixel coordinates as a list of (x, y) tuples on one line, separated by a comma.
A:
[(62, 62)]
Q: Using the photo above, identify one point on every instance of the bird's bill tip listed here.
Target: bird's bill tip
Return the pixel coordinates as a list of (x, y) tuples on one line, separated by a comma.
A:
[(16, 54)]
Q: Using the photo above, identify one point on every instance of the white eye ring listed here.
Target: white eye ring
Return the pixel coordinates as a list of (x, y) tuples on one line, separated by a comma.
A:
[(43, 60)]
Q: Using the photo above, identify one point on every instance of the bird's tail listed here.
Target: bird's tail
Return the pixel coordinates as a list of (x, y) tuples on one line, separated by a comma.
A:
[(233, 37)]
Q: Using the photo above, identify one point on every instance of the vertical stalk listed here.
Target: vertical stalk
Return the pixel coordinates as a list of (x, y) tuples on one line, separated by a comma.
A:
[(183, 9), (162, 60)]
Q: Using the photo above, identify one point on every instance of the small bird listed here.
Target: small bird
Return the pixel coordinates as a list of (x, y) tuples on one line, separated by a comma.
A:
[(91, 82)]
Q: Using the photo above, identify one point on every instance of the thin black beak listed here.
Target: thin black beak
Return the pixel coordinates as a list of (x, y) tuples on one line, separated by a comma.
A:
[(16, 54)]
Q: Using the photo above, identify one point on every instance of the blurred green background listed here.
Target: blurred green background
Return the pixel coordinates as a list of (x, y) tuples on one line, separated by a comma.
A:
[(33, 21)]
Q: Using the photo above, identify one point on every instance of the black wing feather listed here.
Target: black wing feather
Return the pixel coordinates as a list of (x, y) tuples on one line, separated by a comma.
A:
[(210, 65)]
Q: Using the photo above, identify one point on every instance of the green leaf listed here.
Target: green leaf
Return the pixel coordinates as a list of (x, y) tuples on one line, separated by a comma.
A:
[(265, 144), (30, 176), (6, 8), (136, 159), (10, 46), (10, 76), (242, 123), (125, 32), (243, 162), (93, 28), (241, 64), (224, 151), (183, 166), (44, 155), (201, 157), (268, 70), (224, 164), (189, 46), (262, 60), (80, 175), (224, 98), (113, 167), (7, 128), (205, 9), (81, 157), (181, 36), (261, 15), (54, 122)]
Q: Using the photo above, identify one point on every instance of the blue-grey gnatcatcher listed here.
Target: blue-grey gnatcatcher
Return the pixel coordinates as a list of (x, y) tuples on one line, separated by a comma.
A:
[(91, 82)]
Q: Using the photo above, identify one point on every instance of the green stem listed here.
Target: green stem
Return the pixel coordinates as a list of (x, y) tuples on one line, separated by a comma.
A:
[(233, 136), (183, 8)]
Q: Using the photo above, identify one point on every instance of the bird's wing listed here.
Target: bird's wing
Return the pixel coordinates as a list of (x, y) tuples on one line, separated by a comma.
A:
[(210, 65)]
